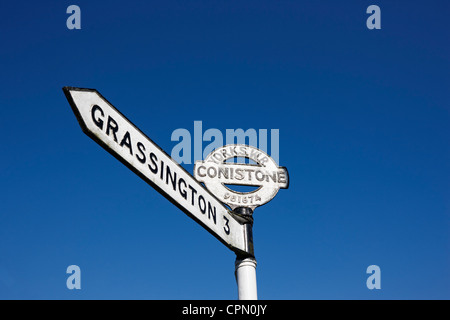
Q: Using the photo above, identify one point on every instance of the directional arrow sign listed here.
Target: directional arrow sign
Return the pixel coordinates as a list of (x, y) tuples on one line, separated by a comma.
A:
[(101, 121)]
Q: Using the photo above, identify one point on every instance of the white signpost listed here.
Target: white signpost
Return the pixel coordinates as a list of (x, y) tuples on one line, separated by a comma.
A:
[(101, 121), (217, 174)]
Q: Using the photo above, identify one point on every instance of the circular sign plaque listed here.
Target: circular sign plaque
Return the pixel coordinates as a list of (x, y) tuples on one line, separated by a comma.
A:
[(217, 174)]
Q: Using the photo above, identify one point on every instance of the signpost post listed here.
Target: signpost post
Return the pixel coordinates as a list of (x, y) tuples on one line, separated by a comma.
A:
[(101, 121), (245, 264)]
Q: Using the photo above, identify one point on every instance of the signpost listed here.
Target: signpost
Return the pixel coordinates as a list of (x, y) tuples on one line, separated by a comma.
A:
[(101, 121), (217, 174)]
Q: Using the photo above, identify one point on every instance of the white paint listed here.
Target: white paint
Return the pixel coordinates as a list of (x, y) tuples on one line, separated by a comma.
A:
[(246, 278)]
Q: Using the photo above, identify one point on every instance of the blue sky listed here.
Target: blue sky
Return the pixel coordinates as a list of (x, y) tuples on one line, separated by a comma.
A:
[(364, 132)]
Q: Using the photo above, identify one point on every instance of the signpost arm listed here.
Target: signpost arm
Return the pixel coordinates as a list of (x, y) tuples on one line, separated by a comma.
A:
[(245, 265)]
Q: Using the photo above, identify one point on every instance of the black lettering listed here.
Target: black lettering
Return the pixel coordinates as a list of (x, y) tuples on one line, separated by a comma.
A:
[(153, 159), (226, 228), (193, 191), (161, 174), (112, 124), (141, 149), (98, 121), (126, 141), (200, 199), (182, 191), (211, 212), (173, 178)]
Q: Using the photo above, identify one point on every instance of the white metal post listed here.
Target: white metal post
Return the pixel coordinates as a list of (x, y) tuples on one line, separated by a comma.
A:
[(245, 265), (246, 278)]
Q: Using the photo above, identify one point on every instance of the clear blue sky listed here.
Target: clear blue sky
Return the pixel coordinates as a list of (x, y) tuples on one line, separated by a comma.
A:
[(364, 132)]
